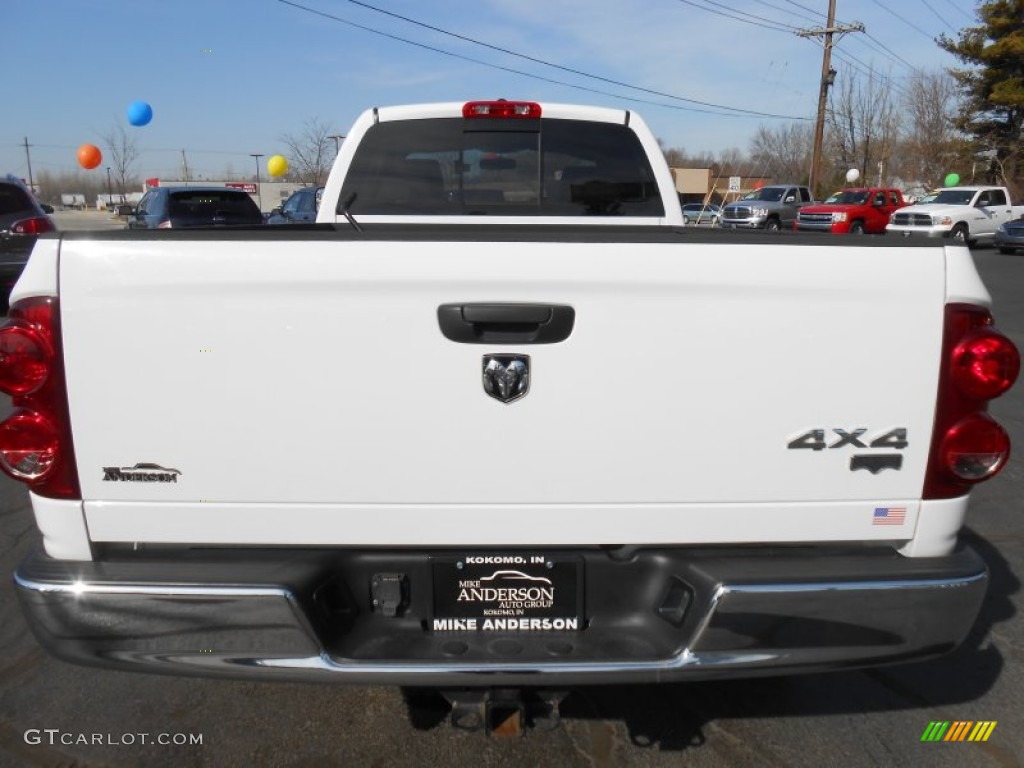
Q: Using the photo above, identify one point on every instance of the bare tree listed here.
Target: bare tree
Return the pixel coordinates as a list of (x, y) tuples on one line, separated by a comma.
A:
[(732, 157), (864, 124), (122, 153), (678, 157), (311, 152), (932, 146), (782, 153), (674, 156)]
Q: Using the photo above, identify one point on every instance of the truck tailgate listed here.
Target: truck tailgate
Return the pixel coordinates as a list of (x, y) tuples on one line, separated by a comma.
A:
[(302, 391)]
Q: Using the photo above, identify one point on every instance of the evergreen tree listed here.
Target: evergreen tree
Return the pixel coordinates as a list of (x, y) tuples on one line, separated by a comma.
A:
[(992, 85)]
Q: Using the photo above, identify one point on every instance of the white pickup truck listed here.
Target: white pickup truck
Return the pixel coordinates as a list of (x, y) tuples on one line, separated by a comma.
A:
[(967, 214), (499, 420)]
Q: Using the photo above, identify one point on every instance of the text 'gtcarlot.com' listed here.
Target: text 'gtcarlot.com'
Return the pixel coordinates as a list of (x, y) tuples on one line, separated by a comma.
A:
[(55, 736)]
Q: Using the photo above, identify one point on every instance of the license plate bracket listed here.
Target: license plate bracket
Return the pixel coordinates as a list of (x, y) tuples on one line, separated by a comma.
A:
[(507, 592)]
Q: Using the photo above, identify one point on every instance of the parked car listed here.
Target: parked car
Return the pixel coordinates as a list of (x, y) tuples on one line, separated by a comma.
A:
[(1010, 236), (968, 214), (179, 207), (857, 211), (772, 207), (700, 213), (22, 217), (300, 207)]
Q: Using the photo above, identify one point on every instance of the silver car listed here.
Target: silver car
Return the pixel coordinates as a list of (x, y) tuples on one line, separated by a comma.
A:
[(701, 213)]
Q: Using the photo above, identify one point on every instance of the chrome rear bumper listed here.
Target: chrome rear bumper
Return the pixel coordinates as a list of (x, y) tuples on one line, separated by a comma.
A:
[(653, 615)]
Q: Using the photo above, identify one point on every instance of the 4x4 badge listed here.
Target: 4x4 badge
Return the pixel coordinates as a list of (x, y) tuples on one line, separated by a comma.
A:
[(506, 377)]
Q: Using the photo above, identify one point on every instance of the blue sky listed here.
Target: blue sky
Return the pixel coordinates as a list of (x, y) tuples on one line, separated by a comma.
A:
[(227, 78)]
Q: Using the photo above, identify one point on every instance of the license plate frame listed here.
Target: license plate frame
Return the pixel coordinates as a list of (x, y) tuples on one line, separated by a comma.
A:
[(507, 592)]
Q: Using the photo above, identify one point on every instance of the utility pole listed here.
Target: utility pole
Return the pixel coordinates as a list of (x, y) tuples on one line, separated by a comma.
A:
[(28, 159), (184, 166), (828, 77), (337, 142), (259, 190)]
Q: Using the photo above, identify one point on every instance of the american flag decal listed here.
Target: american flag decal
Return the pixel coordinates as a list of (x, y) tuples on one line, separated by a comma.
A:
[(889, 516)]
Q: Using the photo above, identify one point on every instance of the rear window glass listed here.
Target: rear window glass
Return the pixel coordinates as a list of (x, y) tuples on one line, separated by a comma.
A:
[(497, 167), (766, 194), (954, 197), (212, 202), (14, 199), (849, 197)]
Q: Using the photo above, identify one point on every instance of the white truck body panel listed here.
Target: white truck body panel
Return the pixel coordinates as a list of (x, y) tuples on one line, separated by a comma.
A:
[(243, 348)]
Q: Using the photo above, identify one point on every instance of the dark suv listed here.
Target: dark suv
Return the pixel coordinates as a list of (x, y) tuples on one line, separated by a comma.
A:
[(178, 207), (300, 207), (21, 219)]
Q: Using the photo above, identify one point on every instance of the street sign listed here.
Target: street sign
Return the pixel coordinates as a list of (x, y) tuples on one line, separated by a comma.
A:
[(734, 183)]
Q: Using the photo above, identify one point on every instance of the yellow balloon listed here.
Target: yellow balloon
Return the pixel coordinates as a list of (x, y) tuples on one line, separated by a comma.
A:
[(277, 165)]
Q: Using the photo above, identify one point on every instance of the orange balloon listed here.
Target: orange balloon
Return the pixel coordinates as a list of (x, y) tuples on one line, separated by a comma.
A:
[(89, 156)]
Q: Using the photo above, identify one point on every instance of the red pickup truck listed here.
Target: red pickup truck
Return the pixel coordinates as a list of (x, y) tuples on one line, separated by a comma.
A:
[(858, 211)]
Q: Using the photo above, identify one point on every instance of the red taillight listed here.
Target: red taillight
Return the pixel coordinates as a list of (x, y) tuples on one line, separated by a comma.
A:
[(34, 226), (501, 108), (985, 364), (978, 364), (35, 441), (975, 448), (24, 358), (28, 445)]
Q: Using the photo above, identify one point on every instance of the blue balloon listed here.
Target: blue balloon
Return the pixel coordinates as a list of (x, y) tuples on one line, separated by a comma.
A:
[(139, 113)]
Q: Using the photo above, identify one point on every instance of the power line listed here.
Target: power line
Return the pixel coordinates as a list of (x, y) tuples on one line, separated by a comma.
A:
[(760, 21), (733, 111), (876, 47), (817, 14), (534, 59), (891, 52), (869, 72), (804, 16), (908, 23), (961, 10), (938, 15)]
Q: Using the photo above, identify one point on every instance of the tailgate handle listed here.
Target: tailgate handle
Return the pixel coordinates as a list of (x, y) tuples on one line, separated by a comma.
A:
[(506, 323)]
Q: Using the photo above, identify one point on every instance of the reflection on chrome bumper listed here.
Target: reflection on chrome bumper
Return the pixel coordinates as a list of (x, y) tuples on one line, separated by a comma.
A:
[(308, 616)]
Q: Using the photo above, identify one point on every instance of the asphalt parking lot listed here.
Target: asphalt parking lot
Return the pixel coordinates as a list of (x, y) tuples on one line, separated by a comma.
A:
[(88, 219), (855, 718)]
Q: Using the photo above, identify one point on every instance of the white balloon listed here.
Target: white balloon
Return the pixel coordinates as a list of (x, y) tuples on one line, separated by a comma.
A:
[(852, 175)]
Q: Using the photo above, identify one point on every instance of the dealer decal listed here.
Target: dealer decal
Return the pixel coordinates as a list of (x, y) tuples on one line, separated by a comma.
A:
[(507, 593), (499, 625), (141, 473)]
